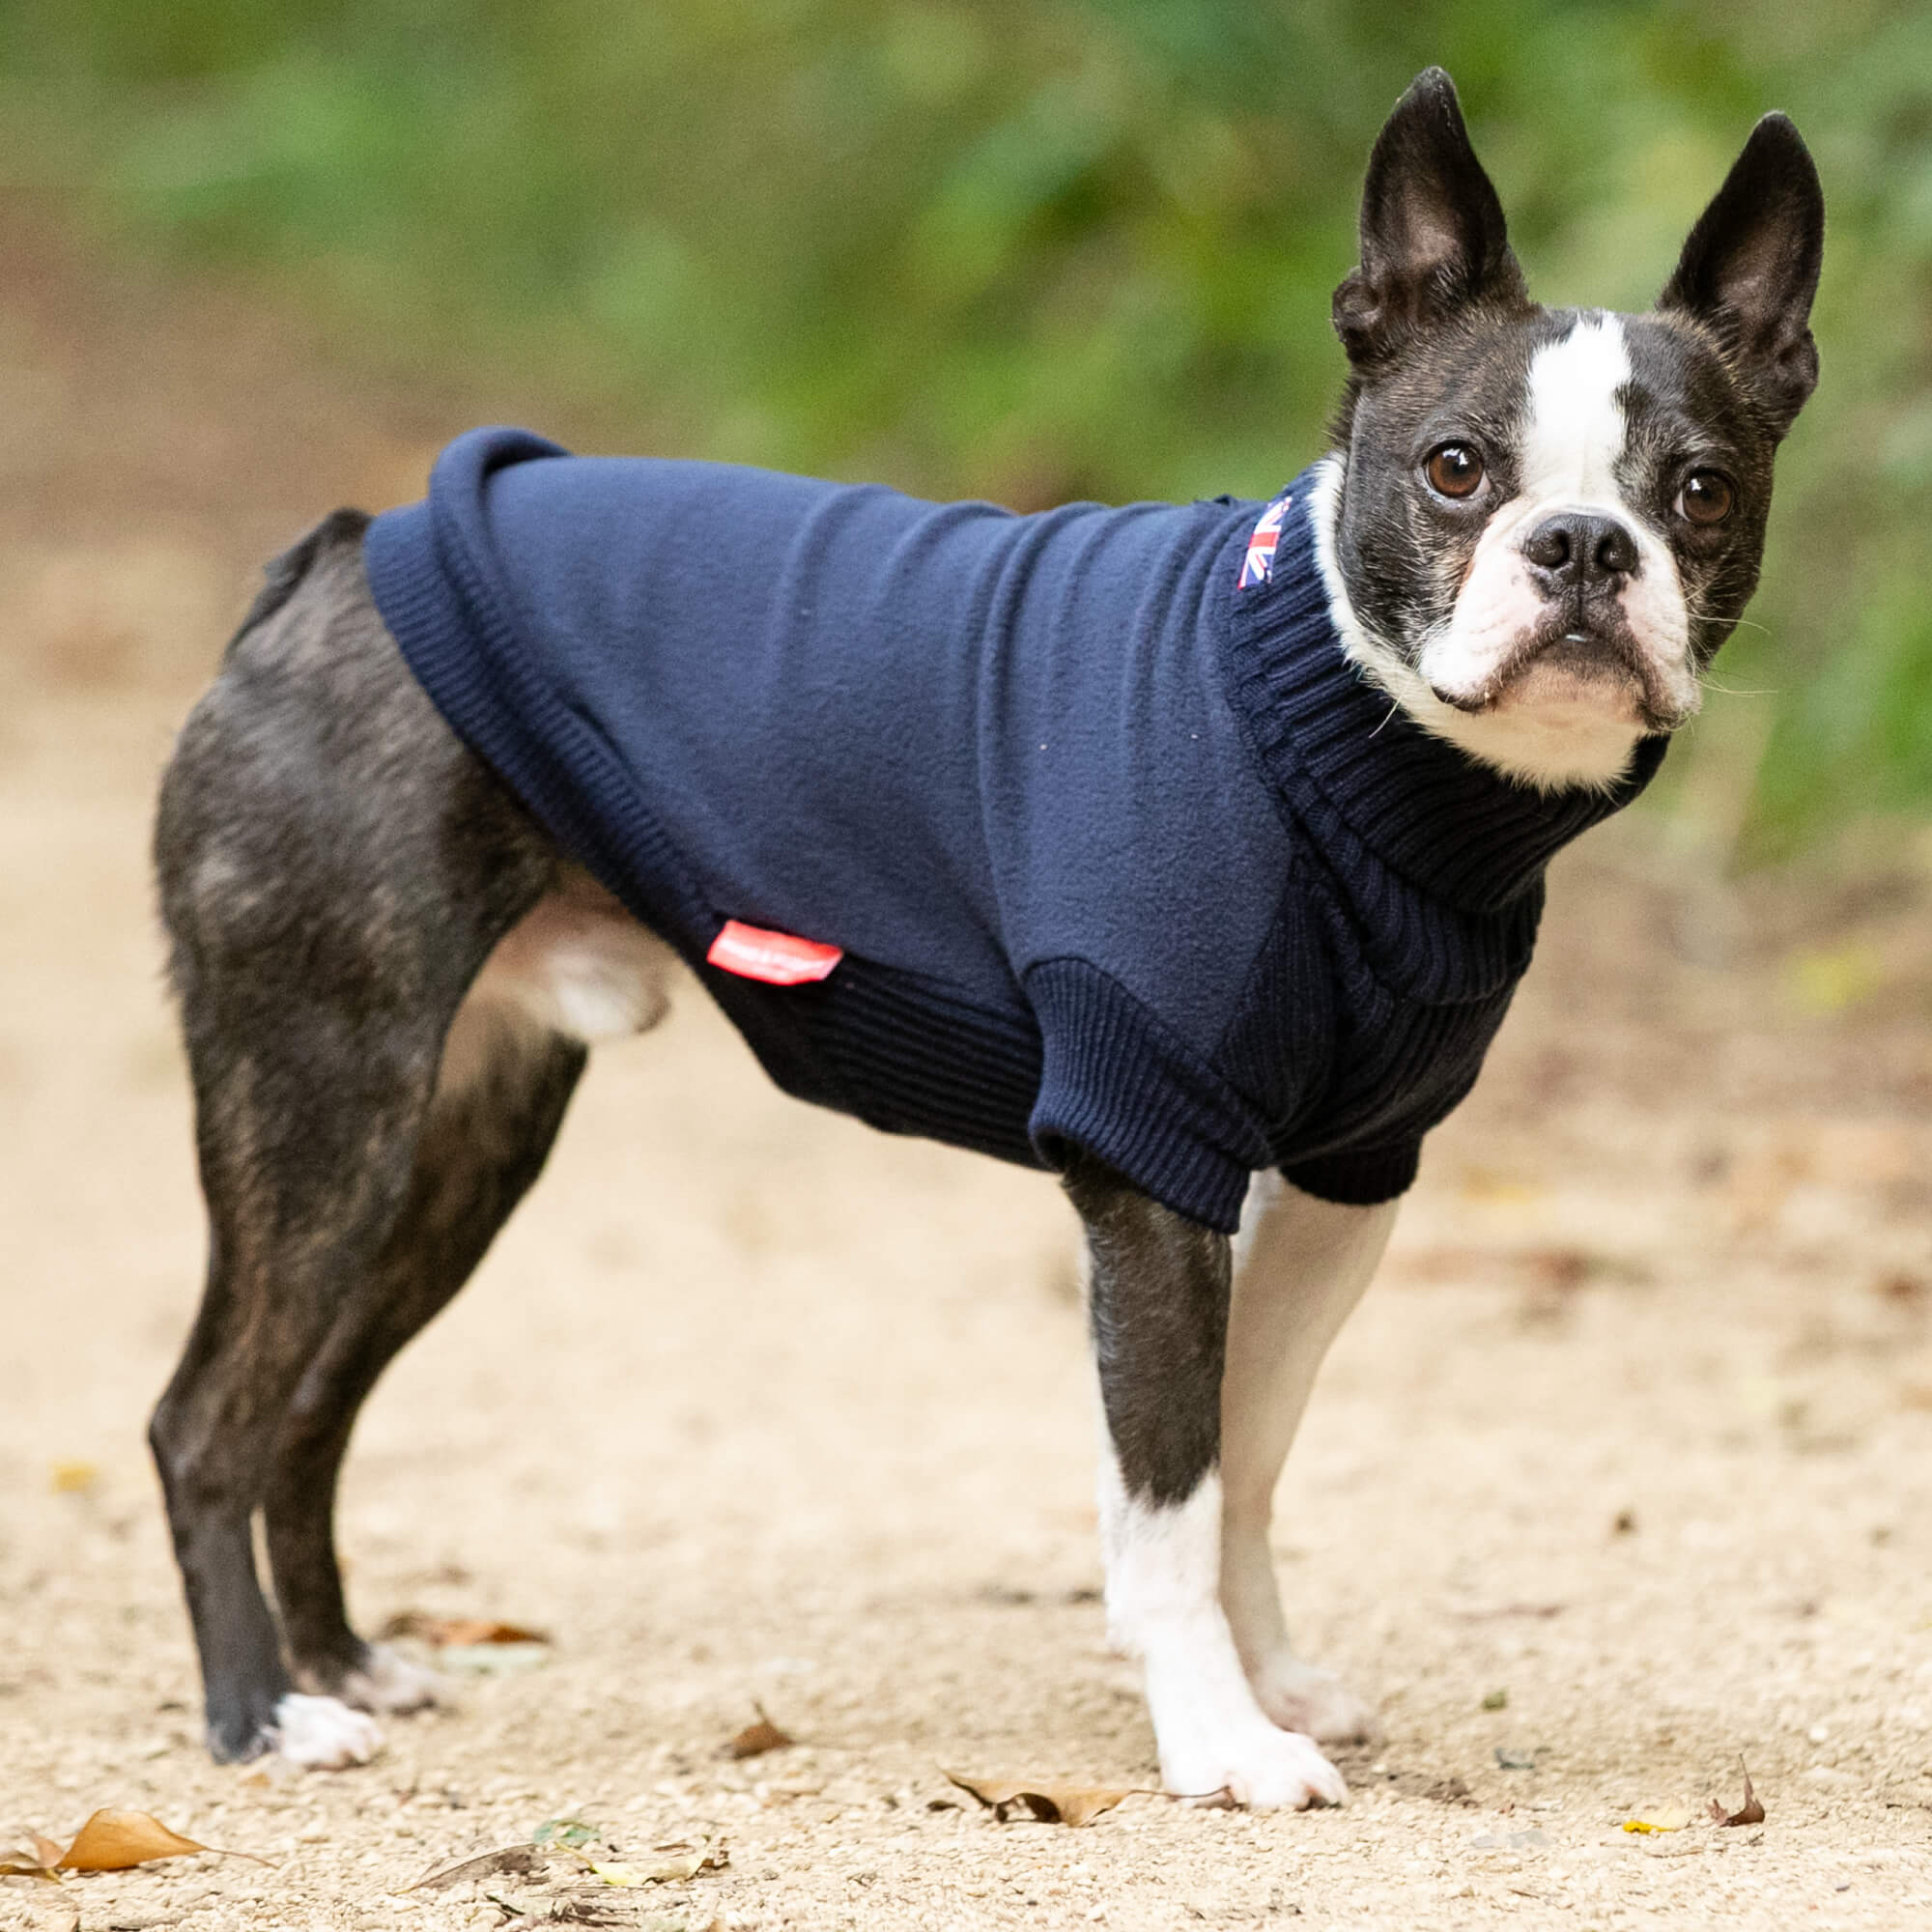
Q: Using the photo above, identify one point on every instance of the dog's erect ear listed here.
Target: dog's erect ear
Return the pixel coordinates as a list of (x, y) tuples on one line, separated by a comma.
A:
[(1750, 268), (1433, 234)]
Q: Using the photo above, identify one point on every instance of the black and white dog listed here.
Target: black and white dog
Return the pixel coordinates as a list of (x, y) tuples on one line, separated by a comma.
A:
[(1535, 528)]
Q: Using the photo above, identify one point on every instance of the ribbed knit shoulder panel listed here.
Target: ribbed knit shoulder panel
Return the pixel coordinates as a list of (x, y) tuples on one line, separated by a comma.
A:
[(1117, 1082), (1439, 859)]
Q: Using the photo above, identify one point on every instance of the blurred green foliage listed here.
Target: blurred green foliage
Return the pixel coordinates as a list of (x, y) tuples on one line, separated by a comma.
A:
[(1031, 248)]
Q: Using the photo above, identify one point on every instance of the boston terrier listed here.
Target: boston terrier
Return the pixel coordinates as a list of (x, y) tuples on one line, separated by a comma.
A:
[(1189, 851)]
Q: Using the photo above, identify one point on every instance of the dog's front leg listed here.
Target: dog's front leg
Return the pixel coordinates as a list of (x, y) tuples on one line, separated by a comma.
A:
[(1300, 1266), (1159, 1305)]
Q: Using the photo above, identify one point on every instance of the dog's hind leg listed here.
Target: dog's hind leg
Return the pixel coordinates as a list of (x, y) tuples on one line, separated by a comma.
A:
[(1300, 1266), (576, 969), (334, 870), (506, 1084)]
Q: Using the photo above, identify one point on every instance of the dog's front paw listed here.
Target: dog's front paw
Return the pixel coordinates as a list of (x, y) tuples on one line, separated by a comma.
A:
[(1304, 1698), (386, 1680), (1261, 1767), (322, 1733)]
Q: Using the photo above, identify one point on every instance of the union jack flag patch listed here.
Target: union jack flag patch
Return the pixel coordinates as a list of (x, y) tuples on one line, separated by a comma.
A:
[(1257, 562)]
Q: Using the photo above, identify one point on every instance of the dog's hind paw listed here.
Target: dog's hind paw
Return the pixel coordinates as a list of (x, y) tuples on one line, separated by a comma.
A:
[(322, 1733), (386, 1681), (1306, 1699)]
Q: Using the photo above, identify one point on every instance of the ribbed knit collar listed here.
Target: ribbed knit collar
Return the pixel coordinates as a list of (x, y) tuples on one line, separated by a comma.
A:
[(1356, 770)]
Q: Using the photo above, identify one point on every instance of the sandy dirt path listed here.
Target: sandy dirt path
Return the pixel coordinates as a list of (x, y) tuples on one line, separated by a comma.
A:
[(1624, 1470)]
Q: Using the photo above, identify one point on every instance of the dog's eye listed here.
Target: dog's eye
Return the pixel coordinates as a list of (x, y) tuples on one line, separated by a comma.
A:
[(1454, 471), (1706, 497)]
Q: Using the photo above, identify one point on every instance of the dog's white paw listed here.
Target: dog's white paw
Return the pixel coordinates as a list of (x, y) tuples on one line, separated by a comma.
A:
[(389, 1682), (322, 1733), (1304, 1698), (1258, 1767)]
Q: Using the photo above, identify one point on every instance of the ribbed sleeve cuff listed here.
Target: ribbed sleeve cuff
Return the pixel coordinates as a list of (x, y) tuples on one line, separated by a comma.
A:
[(1116, 1084)]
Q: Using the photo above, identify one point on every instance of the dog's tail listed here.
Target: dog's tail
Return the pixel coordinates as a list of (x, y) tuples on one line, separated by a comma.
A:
[(282, 576)]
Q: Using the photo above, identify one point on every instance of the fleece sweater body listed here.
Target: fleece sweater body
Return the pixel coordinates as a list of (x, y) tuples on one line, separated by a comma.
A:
[(1120, 851)]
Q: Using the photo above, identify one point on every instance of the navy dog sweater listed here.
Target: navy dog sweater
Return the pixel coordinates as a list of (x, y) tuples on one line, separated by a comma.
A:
[(1099, 839)]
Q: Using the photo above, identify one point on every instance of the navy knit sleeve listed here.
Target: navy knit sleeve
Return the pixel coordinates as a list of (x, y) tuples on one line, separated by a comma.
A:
[(1119, 1084)]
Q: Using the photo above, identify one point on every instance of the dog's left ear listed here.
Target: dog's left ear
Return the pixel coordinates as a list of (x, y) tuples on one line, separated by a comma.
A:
[(1433, 232), (1750, 268)]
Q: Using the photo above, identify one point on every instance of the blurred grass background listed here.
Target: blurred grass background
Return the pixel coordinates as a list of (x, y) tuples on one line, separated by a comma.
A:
[(1034, 248)]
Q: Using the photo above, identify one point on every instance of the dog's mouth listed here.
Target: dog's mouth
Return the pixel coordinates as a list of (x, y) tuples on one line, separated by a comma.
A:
[(1567, 662)]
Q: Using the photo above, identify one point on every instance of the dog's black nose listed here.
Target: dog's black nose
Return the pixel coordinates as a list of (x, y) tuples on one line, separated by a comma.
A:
[(1577, 551)]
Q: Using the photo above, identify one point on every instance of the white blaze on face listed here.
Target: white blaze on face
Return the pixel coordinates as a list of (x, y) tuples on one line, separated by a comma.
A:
[(1575, 432), (1576, 429)]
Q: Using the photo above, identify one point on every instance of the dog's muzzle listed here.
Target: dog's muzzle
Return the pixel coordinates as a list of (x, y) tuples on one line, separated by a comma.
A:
[(1588, 647)]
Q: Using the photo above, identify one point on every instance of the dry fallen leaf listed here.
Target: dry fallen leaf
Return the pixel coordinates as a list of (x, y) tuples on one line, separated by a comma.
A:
[(704, 1855), (754, 1740), (1750, 1813), (1046, 1799), (1673, 1818), (119, 1840), (485, 1864), (459, 1632)]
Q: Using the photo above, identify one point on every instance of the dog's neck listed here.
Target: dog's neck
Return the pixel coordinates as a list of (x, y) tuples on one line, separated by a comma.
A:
[(1580, 751)]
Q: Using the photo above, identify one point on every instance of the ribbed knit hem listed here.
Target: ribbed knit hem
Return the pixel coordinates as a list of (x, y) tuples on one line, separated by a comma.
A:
[(895, 1050), (1116, 1083), (1363, 1180)]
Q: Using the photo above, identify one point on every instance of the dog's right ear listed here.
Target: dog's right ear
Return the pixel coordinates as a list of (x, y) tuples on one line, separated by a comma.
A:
[(1433, 233)]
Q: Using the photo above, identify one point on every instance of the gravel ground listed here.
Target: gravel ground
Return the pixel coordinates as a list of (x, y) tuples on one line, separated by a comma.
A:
[(1621, 1476)]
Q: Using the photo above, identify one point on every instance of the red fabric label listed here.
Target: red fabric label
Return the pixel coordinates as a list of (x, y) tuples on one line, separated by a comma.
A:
[(778, 958)]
